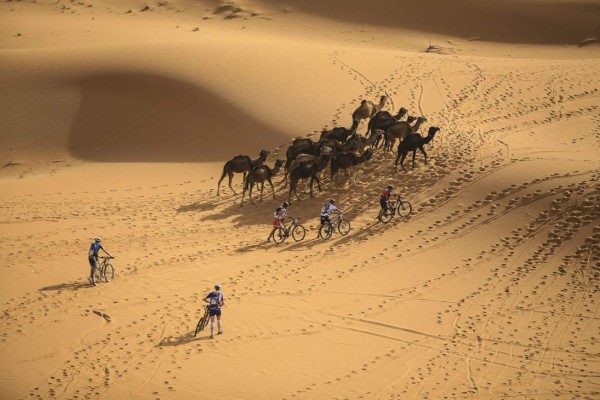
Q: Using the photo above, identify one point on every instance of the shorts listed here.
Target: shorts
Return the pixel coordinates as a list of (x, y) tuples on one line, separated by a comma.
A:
[(215, 311), (324, 219), (93, 261), (276, 222), (383, 204)]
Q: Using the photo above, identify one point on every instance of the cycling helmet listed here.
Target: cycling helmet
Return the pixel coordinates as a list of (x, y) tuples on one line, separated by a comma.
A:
[(390, 187), (98, 240), (332, 201), (217, 286), (285, 204)]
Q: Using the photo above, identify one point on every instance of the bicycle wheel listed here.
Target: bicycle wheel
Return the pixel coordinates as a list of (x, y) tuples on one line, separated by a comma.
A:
[(109, 273), (202, 322), (404, 209), (344, 227), (326, 230), (279, 235), (97, 277), (298, 233), (385, 216)]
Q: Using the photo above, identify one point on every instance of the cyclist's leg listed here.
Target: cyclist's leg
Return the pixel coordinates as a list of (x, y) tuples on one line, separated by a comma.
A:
[(93, 262), (212, 323), (219, 327)]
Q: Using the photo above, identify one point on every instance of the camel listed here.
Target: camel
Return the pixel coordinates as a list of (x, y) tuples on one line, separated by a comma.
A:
[(383, 119), (298, 146), (412, 142), (348, 160), (340, 134), (241, 164), (368, 109), (307, 169), (323, 152), (400, 130), (259, 175)]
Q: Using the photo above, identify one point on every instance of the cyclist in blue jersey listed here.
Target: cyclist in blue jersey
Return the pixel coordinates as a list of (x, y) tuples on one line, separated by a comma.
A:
[(215, 300), (93, 257)]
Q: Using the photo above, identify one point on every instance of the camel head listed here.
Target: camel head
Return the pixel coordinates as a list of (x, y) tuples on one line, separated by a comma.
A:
[(382, 100), (378, 134), (264, 153), (401, 112), (410, 119), (278, 163), (432, 131), (421, 120)]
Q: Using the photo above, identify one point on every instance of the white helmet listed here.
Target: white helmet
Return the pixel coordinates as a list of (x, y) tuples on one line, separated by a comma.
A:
[(98, 239), (217, 286)]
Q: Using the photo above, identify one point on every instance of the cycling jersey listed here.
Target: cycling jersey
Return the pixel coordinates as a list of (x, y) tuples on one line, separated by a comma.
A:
[(215, 298), (94, 249), (327, 210)]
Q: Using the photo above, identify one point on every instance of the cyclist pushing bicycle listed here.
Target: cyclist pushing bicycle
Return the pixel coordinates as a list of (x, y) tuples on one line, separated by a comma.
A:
[(278, 218), (95, 247), (215, 300)]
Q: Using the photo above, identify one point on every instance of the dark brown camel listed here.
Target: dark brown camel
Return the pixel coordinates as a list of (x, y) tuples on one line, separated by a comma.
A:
[(304, 170), (413, 142), (298, 146), (241, 164), (259, 175), (348, 160), (400, 130), (383, 119), (368, 109), (339, 133)]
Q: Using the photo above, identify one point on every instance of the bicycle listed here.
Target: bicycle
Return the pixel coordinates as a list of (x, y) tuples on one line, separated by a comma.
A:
[(395, 206), (294, 229), (203, 321), (339, 222), (104, 271)]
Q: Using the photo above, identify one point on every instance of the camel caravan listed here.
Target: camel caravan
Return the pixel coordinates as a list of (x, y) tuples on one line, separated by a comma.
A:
[(339, 148)]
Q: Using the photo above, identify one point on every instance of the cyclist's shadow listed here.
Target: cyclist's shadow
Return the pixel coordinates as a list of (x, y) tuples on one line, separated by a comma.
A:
[(171, 341)]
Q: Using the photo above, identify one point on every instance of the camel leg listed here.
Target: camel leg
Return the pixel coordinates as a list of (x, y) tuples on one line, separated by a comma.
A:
[(262, 189), (413, 160), (272, 188), (230, 180), (424, 153), (402, 161), (221, 180)]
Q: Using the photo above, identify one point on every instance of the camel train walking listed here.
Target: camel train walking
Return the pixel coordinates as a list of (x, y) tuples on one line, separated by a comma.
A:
[(339, 148)]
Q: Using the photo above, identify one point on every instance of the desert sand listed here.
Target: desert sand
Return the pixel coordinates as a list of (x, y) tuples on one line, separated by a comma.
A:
[(116, 118)]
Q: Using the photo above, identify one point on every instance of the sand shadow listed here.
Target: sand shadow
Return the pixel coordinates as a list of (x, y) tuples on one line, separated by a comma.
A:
[(142, 117), (67, 286), (171, 341)]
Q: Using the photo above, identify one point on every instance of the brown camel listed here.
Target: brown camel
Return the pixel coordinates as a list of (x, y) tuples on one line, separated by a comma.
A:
[(368, 109), (400, 130), (259, 175), (338, 133), (348, 160), (241, 164), (383, 119), (307, 169), (413, 142), (298, 146)]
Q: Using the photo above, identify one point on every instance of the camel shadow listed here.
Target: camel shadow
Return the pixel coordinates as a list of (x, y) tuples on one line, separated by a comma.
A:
[(171, 341), (67, 286)]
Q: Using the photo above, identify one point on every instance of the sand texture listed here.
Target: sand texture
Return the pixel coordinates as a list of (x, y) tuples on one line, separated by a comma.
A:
[(117, 118)]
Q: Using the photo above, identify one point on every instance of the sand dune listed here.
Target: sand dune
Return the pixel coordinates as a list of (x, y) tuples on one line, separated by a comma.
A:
[(116, 120)]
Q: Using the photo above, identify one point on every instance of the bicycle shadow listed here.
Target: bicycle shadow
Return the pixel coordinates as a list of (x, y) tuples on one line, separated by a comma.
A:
[(67, 286), (171, 341)]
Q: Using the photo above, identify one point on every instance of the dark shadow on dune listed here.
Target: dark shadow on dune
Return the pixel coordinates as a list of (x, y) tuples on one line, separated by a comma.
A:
[(139, 117), (67, 286), (548, 22)]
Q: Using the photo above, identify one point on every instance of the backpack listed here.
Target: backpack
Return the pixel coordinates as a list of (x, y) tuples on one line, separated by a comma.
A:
[(277, 210), (325, 208)]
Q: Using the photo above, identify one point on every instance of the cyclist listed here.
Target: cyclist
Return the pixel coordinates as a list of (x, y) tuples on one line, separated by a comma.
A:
[(327, 209), (215, 300), (278, 218), (385, 197), (93, 257)]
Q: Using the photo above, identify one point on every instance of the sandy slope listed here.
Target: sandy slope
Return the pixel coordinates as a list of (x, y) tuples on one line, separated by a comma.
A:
[(117, 123)]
